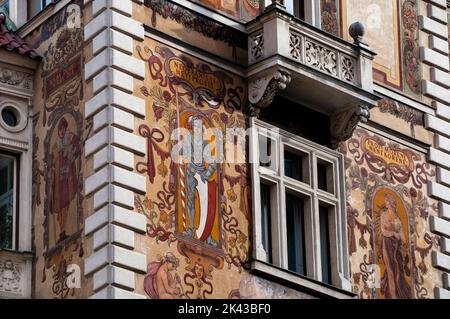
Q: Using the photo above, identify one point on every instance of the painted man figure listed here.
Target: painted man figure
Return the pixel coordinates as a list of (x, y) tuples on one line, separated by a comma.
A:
[(64, 179), (201, 187)]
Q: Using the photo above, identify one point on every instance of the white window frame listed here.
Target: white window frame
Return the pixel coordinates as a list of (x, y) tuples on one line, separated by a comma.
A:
[(18, 11), (6, 154), (338, 226), (312, 11)]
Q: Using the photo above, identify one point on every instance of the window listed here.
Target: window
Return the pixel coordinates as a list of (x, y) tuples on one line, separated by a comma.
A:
[(8, 188), (296, 8), (36, 6), (307, 10), (300, 221)]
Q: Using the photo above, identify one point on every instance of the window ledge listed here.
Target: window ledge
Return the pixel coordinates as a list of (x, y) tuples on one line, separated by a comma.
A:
[(299, 282)]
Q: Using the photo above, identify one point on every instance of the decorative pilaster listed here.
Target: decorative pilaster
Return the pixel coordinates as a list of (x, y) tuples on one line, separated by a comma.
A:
[(434, 24), (113, 223)]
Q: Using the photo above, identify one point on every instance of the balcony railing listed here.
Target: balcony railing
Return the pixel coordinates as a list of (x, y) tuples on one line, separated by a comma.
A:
[(291, 57)]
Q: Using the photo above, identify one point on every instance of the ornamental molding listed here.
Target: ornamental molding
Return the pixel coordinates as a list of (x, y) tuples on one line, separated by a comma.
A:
[(10, 276), (18, 79), (343, 124), (262, 91)]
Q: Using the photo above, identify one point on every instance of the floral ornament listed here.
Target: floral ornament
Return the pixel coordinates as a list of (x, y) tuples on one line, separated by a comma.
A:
[(158, 224), (411, 52)]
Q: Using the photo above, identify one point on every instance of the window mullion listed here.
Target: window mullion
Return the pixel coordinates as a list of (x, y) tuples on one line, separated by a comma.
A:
[(258, 250), (283, 253), (15, 212), (316, 271)]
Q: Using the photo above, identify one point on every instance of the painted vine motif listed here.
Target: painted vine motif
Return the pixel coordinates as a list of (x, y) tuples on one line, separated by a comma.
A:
[(401, 111), (192, 21), (190, 210), (387, 213), (411, 54)]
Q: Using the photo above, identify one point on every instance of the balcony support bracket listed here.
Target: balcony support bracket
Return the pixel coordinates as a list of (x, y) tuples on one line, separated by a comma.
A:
[(344, 123), (263, 90)]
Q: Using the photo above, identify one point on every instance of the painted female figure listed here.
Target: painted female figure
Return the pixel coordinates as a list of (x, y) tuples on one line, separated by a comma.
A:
[(393, 251)]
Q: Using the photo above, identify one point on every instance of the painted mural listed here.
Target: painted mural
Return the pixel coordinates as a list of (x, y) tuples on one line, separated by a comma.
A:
[(395, 22), (169, 17), (240, 9), (388, 216), (197, 211), (331, 16), (58, 179)]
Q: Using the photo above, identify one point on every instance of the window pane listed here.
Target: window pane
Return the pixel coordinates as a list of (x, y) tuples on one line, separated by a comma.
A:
[(325, 244), (266, 221), (296, 165), (35, 6), (325, 176), (267, 152), (295, 234), (296, 8), (6, 202)]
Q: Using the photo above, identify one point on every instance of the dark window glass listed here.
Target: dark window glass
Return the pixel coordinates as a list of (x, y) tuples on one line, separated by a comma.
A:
[(36, 6), (295, 234), (266, 221), (296, 166), (325, 244), (6, 202), (322, 177), (293, 166), (9, 117)]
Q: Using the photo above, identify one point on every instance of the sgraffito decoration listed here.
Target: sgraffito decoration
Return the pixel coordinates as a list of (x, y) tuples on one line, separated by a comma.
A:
[(58, 168), (186, 203), (63, 208), (254, 287), (241, 9), (62, 66), (195, 22), (401, 111), (51, 26), (392, 31), (410, 47), (387, 214)]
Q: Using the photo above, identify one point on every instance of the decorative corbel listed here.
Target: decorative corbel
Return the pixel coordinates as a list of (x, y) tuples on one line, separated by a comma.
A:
[(262, 91), (343, 124)]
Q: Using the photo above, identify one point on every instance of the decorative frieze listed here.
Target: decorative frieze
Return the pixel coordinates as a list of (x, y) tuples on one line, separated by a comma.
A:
[(15, 274), (20, 80)]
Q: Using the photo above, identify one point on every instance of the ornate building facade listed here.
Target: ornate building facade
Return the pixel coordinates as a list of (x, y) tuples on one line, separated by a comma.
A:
[(322, 167)]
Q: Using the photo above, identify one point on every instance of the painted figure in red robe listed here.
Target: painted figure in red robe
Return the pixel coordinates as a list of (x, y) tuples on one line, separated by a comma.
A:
[(65, 153)]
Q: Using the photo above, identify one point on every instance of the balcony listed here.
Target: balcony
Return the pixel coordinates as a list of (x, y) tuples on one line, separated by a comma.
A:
[(289, 57)]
